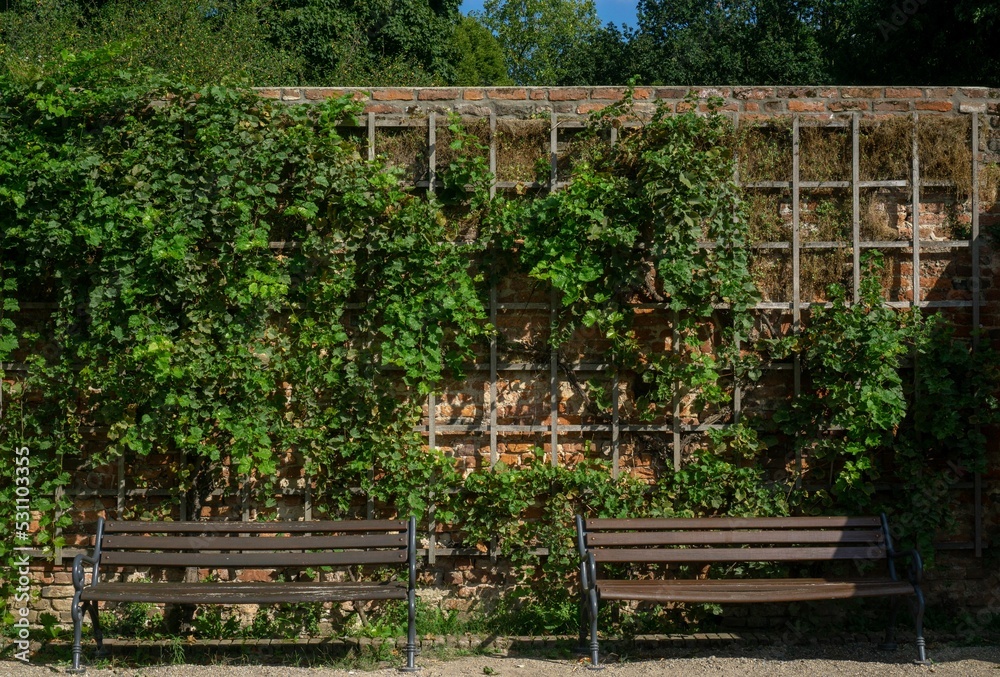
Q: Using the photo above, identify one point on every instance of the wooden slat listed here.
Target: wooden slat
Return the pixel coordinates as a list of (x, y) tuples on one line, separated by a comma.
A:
[(347, 526), (696, 523), (736, 554), (245, 593), (252, 559), (287, 543), (731, 537), (750, 590)]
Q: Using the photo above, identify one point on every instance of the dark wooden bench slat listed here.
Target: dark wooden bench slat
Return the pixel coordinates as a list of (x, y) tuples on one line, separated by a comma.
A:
[(251, 559), (750, 591), (244, 593), (285, 543), (736, 554), (731, 537), (703, 523), (138, 527)]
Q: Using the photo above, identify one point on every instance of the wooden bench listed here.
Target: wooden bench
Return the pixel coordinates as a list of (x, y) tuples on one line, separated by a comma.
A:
[(243, 545), (766, 539)]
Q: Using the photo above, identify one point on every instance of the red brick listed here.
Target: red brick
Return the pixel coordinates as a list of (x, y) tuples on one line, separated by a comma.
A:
[(437, 94), (975, 92), (894, 106), (538, 94), (321, 93), (903, 92), (861, 92), (684, 106), (642, 93), (798, 106), (728, 106), (939, 106), (567, 94), (585, 108), (473, 94), (508, 93), (256, 576), (382, 108), (841, 106), (803, 93), (612, 93), (751, 107), (753, 93), (269, 93), (939, 92), (673, 93), (394, 94)]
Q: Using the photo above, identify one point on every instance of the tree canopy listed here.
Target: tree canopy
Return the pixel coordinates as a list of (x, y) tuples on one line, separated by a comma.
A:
[(527, 42)]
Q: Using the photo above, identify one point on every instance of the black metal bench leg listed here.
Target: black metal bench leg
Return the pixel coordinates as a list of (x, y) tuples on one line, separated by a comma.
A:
[(411, 634), (95, 620), (583, 647), (918, 621), (594, 648), (889, 643), (77, 612)]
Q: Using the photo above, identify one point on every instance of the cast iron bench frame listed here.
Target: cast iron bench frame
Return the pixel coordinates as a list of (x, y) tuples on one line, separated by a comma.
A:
[(761, 539), (244, 545)]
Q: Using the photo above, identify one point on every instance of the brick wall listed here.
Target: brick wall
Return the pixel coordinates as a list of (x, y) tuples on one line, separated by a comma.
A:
[(523, 397)]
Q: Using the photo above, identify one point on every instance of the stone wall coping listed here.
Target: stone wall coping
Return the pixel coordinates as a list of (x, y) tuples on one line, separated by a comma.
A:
[(526, 102)]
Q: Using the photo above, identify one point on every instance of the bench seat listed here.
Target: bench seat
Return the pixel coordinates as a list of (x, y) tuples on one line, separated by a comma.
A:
[(244, 593), (749, 589)]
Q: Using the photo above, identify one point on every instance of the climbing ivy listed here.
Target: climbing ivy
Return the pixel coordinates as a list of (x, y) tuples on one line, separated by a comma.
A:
[(630, 229), (142, 214), (223, 280)]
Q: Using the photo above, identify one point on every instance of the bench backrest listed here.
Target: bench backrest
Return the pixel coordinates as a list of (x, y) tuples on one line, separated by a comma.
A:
[(733, 539), (247, 545)]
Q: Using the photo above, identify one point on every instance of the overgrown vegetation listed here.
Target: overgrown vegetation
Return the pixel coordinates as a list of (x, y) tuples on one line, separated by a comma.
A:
[(141, 214)]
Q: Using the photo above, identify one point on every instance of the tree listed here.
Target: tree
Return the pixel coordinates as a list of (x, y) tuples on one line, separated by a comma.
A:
[(607, 58), (538, 35), (920, 43), (369, 42), (192, 40), (480, 58), (730, 42)]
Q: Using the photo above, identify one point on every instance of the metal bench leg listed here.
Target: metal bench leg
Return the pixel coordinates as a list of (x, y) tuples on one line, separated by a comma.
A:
[(77, 612), (411, 634), (594, 663), (918, 621), (95, 621), (889, 643)]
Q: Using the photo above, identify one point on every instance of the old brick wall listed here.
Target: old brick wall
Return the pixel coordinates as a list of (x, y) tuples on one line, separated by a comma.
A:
[(528, 398)]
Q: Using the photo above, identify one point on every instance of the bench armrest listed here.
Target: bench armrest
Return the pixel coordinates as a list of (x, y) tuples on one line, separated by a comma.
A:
[(915, 571), (80, 575)]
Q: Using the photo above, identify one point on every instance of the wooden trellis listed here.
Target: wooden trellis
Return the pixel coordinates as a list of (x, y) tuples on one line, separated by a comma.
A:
[(674, 429)]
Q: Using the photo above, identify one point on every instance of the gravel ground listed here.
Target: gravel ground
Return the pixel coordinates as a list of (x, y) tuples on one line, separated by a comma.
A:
[(849, 659)]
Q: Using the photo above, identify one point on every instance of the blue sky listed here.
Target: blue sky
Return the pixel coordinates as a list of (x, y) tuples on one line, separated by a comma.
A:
[(615, 11)]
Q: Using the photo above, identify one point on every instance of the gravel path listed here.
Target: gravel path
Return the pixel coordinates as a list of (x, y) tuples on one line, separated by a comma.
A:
[(777, 661)]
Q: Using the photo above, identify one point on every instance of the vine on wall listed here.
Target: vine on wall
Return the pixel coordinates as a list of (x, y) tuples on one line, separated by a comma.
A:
[(143, 213)]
